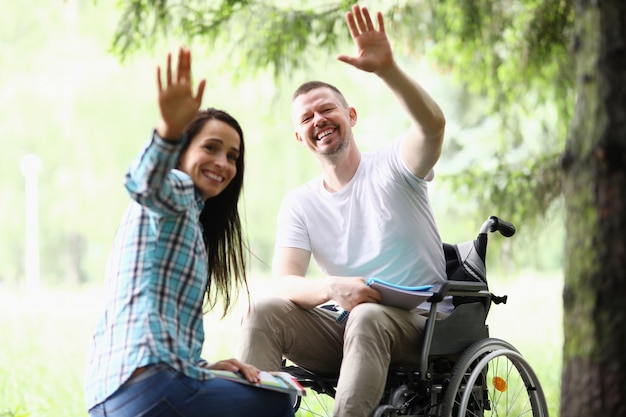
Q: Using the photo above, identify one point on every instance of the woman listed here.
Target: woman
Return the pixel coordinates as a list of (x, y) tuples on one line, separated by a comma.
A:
[(179, 246)]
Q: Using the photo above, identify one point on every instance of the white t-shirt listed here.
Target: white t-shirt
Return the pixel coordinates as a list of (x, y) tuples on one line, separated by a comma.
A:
[(380, 225)]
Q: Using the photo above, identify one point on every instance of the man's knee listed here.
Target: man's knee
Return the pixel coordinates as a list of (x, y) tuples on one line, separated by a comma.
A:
[(376, 319), (368, 312), (368, 319), (267, 310)]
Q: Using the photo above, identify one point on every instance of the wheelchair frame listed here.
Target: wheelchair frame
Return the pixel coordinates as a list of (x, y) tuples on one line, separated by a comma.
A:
[(459, 373)]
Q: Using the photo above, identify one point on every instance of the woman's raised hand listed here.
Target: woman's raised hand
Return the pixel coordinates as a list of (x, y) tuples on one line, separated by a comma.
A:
[(177, 103)]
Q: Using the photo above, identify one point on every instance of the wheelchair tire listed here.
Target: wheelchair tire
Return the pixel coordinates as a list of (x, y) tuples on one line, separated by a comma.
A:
[(502, 384), (320, 392), (314, 404)]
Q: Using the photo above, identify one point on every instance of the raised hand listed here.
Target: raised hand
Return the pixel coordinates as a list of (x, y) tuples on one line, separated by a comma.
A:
[(177, 103), (373, 49)]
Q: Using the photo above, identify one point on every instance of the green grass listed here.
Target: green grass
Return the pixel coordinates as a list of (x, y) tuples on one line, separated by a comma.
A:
[(45, 337), (41, 360)]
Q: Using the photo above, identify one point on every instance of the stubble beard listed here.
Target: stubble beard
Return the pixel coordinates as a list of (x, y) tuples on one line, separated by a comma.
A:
[(333, 151)]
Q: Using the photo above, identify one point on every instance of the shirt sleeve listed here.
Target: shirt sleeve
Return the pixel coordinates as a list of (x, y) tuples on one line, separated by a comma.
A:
[(291, 229), (397, 164), (153, 182)]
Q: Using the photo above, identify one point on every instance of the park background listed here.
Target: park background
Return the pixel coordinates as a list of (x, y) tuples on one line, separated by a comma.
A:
[(85, 113)]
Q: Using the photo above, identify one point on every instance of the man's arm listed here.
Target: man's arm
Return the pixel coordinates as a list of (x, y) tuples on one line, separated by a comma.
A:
[(289, 269), (422, 145)]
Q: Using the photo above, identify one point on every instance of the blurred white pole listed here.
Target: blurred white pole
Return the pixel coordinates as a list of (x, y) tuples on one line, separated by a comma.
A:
[(30, 166)]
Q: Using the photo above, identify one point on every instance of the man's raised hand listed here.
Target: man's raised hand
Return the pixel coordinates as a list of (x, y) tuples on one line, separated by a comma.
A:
[(373, 49)]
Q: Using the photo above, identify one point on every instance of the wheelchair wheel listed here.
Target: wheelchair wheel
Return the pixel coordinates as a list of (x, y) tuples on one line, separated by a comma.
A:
[(491, 378), (314, 404), (320, 392)]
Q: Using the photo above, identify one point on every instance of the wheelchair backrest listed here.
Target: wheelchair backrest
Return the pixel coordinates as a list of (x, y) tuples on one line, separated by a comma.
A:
[(466, 262)]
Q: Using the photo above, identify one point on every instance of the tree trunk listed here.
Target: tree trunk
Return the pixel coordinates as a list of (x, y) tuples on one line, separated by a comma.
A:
[(594, 164)]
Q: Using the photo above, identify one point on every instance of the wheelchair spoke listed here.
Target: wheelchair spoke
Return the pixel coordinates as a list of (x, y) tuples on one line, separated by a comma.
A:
[(314, 404), (506, 389), (492, 379)]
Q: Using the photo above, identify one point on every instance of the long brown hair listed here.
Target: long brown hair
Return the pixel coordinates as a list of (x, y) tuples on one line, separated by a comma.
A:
[(222, 231)]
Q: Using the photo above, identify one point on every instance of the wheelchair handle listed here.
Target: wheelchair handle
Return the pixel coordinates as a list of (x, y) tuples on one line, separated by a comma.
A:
[(494, 223)]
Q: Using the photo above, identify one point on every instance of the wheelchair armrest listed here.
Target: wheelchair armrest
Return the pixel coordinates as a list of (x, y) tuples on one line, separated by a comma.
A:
[(460, 288)]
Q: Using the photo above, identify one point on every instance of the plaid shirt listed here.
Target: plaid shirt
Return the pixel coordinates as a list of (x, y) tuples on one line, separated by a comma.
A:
[(156, 277)]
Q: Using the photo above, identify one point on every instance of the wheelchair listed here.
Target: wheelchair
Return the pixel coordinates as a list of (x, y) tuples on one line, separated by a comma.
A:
[(463, 372)]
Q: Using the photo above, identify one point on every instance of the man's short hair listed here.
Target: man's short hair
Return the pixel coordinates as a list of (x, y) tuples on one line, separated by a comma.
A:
[(314, 85)]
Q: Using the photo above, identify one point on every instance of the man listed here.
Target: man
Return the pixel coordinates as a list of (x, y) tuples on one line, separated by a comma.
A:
[(368, 215)]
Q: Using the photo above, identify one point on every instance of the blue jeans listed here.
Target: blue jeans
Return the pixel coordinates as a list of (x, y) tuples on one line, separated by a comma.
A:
[(170, 393)]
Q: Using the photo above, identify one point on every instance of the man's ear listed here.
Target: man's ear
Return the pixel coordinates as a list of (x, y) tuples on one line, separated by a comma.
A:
[(298, 137), (353, 116)]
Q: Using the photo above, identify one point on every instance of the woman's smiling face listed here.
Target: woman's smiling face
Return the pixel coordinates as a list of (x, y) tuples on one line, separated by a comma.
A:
[(211, 158)]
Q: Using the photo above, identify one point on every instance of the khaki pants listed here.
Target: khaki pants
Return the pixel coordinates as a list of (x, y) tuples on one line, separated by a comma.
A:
[(373, 338)]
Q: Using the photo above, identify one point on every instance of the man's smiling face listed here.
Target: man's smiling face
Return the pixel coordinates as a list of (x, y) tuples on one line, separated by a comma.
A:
[(323, 121)]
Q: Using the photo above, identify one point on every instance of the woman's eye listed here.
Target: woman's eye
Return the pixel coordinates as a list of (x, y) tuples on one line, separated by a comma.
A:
[(232, 158), (210, 148)]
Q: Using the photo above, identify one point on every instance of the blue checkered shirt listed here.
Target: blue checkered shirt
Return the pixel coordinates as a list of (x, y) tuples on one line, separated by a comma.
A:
[(156, 278)]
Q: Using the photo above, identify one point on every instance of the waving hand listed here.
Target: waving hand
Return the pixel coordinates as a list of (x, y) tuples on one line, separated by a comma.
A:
[(177, 103), (373, 48)]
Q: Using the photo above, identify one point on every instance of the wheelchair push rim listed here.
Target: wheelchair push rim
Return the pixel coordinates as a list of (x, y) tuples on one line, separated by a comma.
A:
[(493, 379)]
